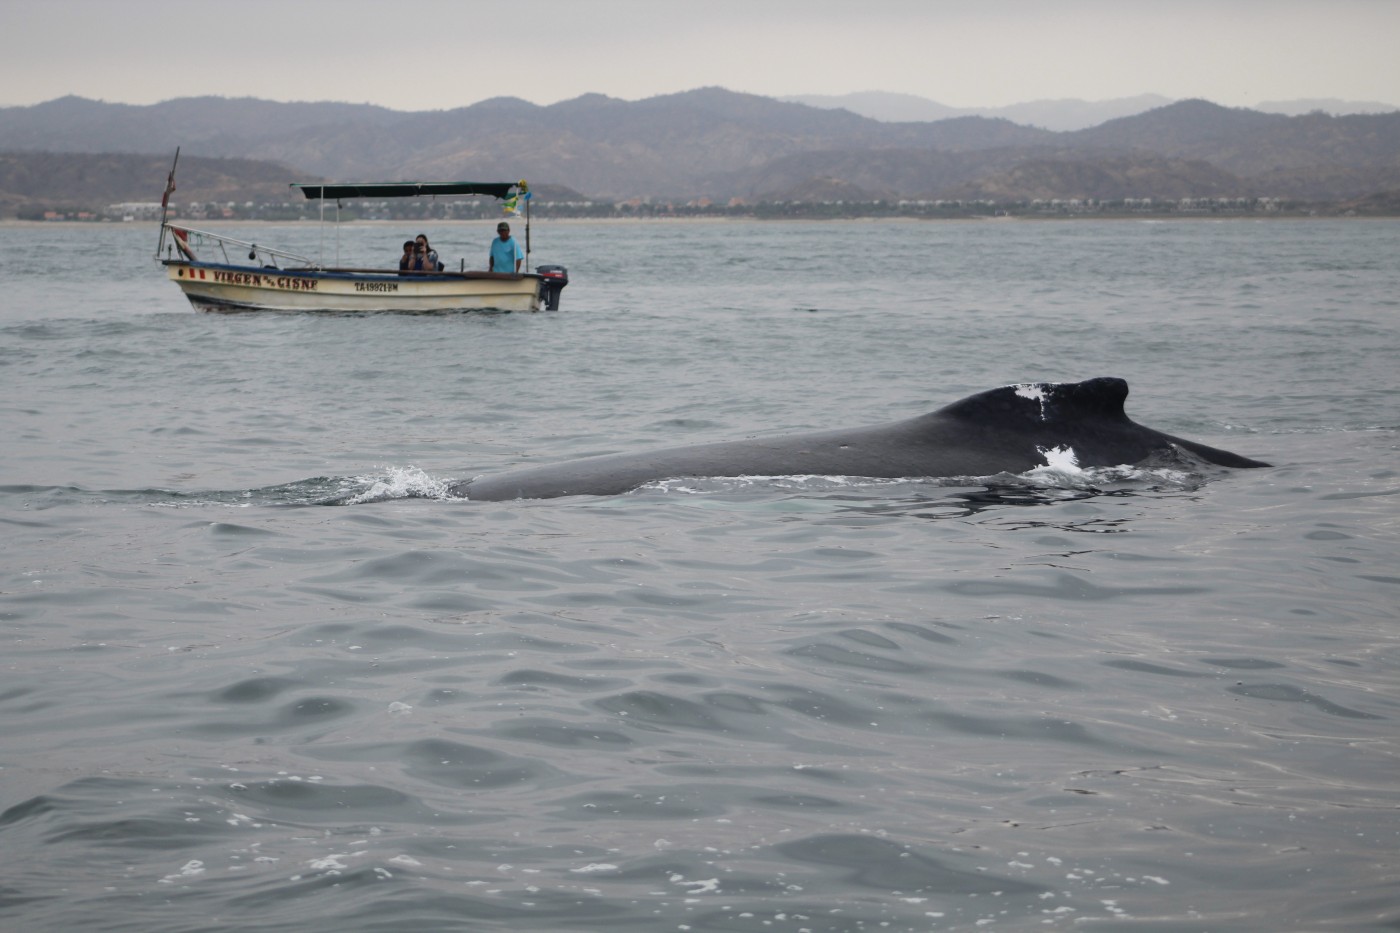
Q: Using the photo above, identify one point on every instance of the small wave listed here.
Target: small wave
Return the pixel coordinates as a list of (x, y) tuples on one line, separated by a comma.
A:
[(398, 483), (37, 498), (408, 482), (316, 490)]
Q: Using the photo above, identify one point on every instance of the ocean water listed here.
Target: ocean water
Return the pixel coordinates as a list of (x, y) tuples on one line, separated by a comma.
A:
[(1155, 699)]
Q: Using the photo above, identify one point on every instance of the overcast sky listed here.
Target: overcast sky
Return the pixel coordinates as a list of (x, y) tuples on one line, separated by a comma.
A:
[(438, 54)]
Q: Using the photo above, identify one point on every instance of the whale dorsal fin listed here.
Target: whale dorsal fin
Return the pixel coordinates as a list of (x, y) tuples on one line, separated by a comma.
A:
[(1040, 403)]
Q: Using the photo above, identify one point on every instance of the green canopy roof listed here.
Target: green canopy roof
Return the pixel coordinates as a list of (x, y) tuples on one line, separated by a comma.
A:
[(406, 189)]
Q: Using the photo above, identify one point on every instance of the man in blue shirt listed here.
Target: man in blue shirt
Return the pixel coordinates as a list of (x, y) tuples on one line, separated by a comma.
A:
[(506, 254)]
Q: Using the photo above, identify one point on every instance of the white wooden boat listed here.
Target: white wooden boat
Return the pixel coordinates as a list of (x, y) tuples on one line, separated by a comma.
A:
[(276, 280)]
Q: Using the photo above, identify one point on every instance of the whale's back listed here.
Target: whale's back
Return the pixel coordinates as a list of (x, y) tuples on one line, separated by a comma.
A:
[(1003, 430)]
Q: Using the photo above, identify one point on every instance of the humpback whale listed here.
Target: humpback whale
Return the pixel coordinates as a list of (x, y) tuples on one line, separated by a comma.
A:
[(1006, 430)]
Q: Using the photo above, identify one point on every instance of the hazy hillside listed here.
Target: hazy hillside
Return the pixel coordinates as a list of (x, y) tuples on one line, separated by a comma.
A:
[(1331, 105), (1312, 156), (90, 180), (1105, 178), (884, 174), (217, 125), (1060, 115), (1248, 141), (716, 144), (669, 146), (680, 145)]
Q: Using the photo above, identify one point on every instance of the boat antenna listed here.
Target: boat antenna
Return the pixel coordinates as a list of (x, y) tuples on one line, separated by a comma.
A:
[(165, 201)]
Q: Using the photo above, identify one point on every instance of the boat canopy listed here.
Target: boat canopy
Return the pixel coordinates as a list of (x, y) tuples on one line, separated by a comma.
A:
[(406, 189)]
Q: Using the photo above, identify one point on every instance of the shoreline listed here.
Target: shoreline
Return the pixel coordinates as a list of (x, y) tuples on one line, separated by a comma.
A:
[(13, 222)]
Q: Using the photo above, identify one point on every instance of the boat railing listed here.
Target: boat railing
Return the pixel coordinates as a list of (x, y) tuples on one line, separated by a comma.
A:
[(192, 237)]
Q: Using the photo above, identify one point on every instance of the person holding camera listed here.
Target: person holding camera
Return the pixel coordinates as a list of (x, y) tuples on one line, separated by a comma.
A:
[(430, 256)]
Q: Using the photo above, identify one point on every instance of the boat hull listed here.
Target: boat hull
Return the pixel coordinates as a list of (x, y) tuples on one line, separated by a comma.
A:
[(211, 286)]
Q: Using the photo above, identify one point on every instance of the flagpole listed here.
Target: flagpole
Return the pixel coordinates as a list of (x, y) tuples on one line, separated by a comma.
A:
[(165, 201)]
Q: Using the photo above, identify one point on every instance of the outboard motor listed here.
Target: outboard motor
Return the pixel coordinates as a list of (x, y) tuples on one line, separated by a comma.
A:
[(554, 280)]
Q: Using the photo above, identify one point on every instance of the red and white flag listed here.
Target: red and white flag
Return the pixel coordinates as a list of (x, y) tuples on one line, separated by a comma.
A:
[(182, 243), (169, 188)]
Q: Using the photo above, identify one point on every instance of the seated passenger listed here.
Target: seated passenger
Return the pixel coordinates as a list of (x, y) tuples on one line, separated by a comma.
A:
[(431, 263), (406, 260)]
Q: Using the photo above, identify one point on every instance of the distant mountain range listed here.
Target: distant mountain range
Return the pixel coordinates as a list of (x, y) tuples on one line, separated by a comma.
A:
[(708, 143), (1059, 115)]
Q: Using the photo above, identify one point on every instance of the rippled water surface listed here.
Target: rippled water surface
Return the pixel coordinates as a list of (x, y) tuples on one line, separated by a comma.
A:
[(1157, 698)]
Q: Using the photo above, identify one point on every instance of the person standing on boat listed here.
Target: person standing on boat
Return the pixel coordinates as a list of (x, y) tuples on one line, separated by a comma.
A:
[(506, 254), (430, 256), (406, 260)]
